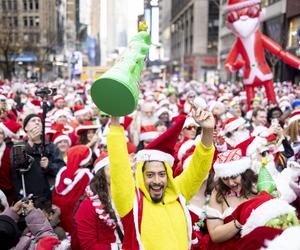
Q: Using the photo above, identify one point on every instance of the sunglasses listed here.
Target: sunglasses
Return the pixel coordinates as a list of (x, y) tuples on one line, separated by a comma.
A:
[(103, 116), (251, 12), (191, 127)]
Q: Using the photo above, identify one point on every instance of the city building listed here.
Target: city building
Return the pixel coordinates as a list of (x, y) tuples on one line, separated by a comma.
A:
[(194, 39), (31, 33)]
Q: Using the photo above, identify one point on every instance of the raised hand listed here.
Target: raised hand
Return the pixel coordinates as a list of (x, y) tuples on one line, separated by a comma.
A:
[(204, 118)]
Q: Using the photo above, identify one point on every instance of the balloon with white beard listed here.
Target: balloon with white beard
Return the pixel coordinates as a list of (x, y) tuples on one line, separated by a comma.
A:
[(247, 54)]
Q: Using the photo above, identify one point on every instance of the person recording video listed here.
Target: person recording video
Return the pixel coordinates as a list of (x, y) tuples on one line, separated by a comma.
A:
[(43, 164)]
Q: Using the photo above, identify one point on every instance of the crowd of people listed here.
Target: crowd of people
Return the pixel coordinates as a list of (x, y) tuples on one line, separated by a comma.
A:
[(193, 167)]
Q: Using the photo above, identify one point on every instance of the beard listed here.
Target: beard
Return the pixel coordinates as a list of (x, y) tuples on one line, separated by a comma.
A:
[(156, 199)]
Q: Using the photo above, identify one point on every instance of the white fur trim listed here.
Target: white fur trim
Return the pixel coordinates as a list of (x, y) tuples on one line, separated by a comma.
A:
[(100, 164), (3, 199), (232, 168), (154, 155), (293, 119), (151, 135), (78, 176), (265, 212), (8, 132), (67, 181), (288, 239), (188, 218), (81, 112), (136, 218), (189, 121), (184, 148), (257, 144), (114, 246), (162, 110), (234, 124), (241, 5), (86, 160), (61, 138)]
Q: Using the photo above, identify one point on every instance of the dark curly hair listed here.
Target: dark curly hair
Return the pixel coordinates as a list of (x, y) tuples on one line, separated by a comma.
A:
[(249, 178), (100, 187)]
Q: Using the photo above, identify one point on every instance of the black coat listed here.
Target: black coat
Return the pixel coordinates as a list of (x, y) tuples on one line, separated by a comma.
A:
[(37, 180)]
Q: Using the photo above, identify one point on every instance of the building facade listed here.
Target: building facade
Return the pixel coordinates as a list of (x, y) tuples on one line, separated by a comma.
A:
[(194, 37)]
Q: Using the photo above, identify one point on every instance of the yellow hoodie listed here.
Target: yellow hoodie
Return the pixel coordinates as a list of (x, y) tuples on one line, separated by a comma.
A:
[(164, 224)]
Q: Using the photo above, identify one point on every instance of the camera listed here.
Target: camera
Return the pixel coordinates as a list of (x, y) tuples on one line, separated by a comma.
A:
[(44, 92), (21, 160)]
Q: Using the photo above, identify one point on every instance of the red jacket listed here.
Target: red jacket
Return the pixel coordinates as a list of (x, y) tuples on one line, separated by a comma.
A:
[(92, 232)]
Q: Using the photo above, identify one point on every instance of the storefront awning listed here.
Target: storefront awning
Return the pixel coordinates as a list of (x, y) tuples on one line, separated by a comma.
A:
[(26, 58)]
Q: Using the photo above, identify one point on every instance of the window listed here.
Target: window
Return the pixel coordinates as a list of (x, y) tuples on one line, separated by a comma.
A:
[(4, 21), (10, 22), (25, 6), (14, 5), (31, 4), (31, 21), (36, 4), (15, 21), (9, 7), (37, 21), (4, 5), (25, 21)]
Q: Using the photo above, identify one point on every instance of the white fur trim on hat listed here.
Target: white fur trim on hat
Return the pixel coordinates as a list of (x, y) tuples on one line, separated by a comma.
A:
[(189, 121), (81, 112), (161, 111), (232, 168), (154, 155), (8, 132), (100, 164), (241, 5), (288, 239), (293, 119), (86, 160), (184, 148), (234, 124), (151, 135), (261, 215), (61, 138)]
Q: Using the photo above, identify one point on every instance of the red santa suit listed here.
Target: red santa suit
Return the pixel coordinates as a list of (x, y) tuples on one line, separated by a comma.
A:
[(243, 19), (70, 184)]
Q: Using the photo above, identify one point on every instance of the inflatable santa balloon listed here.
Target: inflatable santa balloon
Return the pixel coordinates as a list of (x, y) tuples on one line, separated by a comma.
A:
[(243, 19)]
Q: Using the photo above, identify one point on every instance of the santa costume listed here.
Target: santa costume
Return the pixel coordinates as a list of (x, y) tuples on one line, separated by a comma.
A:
[(70, 185)]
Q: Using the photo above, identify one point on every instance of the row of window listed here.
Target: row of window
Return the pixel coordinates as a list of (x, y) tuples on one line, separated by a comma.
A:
[(15, 37), (7, 5), (28, 21), (30, 4)]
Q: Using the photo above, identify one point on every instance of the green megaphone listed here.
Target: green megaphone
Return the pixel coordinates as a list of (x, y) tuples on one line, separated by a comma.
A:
[(117, 91)]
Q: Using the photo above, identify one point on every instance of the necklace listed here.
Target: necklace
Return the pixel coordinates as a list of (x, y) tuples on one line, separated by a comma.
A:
[(99, 208)]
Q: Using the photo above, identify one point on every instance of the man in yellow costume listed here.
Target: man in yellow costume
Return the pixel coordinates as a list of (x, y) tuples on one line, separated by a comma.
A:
[(153, 207)]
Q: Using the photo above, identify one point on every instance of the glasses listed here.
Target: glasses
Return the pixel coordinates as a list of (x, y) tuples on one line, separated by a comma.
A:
[(191, 127), (192, 96), (251, 12), (105, 116)]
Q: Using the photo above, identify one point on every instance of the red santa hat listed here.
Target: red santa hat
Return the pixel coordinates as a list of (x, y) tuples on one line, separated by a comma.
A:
[(231, 163), (80, 110), (161, 111), (101, 162), (59, 136), (233, 123), (294, 116), (239, 4), (87, 125), (10, 128), (60, 113), (78, 156), (148, 133), (257, 211), (58, 97), (48, 243), (162, 148)]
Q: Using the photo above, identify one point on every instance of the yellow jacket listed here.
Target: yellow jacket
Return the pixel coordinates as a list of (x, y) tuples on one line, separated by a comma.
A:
[(164, 224)]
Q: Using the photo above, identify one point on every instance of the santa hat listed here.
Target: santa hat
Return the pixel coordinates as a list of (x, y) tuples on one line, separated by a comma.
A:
[(231, 163), (239, 4), (294, 116), (10, 128), (184, 148), (59, 136), (101, 162), (51, 242), (233, 123), (148, 133), (87, 125), (288, 239), (190, 121), (162, 110), (78, 155), (80, 110), (162, 148), (60, 113), (257, 211), (58, 127), (125, 121), (58, 97)]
